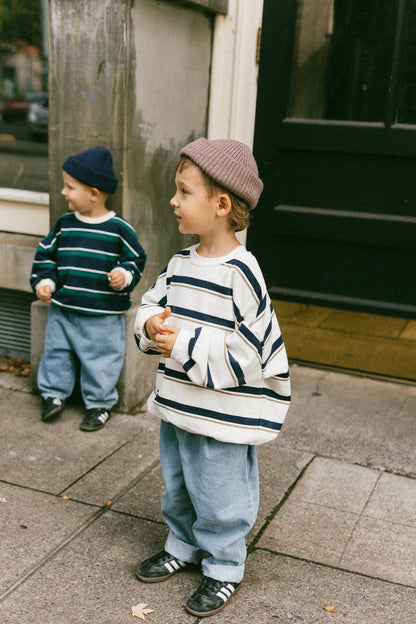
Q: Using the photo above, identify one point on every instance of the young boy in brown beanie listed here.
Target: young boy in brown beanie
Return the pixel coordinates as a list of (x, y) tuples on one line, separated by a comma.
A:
[(222, 385)]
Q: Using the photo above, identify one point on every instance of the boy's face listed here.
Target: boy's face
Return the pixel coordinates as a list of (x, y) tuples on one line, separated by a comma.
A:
[(195, 211), (78, 196)]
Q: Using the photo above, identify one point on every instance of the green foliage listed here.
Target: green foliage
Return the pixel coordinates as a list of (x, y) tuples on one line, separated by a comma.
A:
[(20, 22)]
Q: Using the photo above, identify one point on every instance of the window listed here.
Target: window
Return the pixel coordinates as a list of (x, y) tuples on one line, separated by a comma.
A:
[(354, 61), (23, 95)]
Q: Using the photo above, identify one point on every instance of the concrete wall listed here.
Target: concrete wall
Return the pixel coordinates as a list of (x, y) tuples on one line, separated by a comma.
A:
[(16, 258), (134, 77)]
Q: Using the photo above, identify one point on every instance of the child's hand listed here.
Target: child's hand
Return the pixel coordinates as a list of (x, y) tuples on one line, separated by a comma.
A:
[(154, 324), (116, 279), (44, 293), (166, 339)]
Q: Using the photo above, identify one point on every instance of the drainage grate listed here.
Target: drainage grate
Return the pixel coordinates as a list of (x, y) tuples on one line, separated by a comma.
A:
[(15, 323)]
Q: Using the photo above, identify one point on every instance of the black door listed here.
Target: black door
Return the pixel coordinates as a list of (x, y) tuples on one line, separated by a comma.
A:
[(335, 140)]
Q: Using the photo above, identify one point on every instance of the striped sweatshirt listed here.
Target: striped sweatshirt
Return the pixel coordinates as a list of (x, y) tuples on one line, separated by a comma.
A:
[(228, 375), (78, 253)]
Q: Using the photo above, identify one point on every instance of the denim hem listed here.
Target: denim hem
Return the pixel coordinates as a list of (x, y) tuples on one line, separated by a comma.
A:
[(53, 395), (181, 550), (221, 572), (100, 406)]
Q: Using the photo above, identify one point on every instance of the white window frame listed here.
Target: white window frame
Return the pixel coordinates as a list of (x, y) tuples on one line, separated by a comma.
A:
[(24, 212), (234, 73)]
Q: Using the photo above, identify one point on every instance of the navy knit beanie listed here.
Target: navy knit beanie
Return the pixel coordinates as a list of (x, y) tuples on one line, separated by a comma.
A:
[(94, 167)]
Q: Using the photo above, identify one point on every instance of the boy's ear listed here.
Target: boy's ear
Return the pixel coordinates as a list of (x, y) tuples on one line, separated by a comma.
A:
[(223, 204), (94, 193)]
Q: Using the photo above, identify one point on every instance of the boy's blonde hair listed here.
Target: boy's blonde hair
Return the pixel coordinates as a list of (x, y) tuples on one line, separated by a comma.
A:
[(240, 210)]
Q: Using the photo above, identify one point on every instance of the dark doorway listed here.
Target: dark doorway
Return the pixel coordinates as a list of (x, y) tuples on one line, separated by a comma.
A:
[(335, 140)]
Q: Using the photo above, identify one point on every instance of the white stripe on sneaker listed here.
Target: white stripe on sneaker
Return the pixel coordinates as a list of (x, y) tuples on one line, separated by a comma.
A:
[(173, 565), (103, 417), (225, 592)]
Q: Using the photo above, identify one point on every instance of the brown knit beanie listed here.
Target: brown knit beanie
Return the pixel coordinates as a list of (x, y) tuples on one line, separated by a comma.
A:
[(230, 164)]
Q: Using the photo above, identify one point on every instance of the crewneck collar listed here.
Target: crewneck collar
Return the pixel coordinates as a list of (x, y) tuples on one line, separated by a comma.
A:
[(202, 260), (102, 219)]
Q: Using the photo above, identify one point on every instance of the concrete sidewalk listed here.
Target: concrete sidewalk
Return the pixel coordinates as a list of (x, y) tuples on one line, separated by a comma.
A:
[(336, 526)]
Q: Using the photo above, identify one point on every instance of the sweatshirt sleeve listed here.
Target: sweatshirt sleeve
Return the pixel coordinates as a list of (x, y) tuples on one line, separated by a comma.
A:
[(153, 302), (45, 261), (132, 257), (252, 351)]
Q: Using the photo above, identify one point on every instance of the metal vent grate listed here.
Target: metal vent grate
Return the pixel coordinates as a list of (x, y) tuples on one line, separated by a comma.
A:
[(15, 323)]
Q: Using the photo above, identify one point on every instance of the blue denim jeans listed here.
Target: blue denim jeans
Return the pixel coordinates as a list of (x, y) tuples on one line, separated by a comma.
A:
[(92, 345), (210, 502)]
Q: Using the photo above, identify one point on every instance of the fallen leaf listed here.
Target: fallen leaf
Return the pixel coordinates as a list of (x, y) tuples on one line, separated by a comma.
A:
[(140, 610), (329, 608), (16, 365)]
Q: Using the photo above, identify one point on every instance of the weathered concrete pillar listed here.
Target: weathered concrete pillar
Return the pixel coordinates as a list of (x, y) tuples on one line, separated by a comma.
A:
[(89, 84), (133, 77)]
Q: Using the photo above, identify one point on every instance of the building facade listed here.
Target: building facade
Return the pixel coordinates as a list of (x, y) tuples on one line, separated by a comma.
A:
[(328, 102), (141, 78)]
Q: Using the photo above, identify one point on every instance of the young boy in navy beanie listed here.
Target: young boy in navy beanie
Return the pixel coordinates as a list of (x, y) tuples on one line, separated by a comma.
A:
[(86, 268), (222, 384)]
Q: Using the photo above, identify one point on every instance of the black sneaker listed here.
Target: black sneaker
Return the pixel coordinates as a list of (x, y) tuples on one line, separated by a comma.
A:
[(210, 597), (95, 418), (160, 567), (51, 406)]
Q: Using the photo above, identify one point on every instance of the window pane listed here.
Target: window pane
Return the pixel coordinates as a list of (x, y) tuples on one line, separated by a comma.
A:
[(407, 92), (23, 95), (342, 59)]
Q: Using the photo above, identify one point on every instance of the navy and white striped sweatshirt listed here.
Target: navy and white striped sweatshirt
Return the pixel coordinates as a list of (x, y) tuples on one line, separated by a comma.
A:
[(228, 375), (78, 253)]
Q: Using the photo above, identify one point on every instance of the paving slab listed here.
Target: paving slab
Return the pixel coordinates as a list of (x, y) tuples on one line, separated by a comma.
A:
[(332, 517), (336, 484), (143, 499), (309, 531), (121, 467), (384, 550), (374, 354), (92, 580), (51, 456), (409, 333), (351, 340), (33, 524), (361, 323), (301, 314), (394, 500), (360, 420), (281, 590)]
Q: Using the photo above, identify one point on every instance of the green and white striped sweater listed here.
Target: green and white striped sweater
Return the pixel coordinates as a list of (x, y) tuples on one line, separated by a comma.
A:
[(77, 255)]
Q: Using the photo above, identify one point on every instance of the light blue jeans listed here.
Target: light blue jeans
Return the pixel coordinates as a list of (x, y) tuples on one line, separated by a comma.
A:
[(92, 345), (210, 502)]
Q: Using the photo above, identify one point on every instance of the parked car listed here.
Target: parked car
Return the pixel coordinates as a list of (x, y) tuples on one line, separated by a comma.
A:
[(38, 119), (18, 108)]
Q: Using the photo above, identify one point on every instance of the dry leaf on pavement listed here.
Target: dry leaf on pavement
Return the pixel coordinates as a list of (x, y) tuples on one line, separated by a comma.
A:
[(140, 611), (330, 608)]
